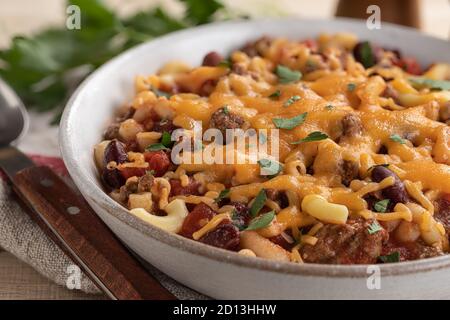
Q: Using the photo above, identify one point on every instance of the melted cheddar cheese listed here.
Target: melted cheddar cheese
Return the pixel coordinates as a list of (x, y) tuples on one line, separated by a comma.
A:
[(373, 115)]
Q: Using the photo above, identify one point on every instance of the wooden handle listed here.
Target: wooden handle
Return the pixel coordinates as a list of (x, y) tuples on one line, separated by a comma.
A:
[(79, 231)]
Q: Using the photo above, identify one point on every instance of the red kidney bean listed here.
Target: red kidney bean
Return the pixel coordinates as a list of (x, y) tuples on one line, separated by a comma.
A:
[(241, 216), (113, 178), (115, 151), (196, 219), (212, 59), (225, 236), (397, 192)]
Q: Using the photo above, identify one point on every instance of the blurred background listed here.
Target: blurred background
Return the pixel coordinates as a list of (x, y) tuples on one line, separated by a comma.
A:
[(28, 16)]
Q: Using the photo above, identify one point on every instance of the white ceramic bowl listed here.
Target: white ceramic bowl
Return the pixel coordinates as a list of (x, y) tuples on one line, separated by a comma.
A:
[(215, 272)]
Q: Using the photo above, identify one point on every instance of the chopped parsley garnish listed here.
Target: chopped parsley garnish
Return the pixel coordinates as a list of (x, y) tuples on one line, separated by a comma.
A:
[(291, 100), (258, 203), (393, 257), (329, 107), (166, 139), (222, 195), (430, 83), (286, 75), (397, 138), (351, 87), (225, 64), (262, 221), (275, 95), (160, 93), (381, 206), (150, 172), (313, 136), (156, 147), (270, 167), (374, 228), (262, 138), (366, 54), (225, 109), (290, 123)]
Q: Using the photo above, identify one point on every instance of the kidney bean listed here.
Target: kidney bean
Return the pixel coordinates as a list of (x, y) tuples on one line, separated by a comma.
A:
[(212, 59), (115, 151), (196, 219), (241, 216), (158, 161), (225, 236), (397, 192), (113, 178)]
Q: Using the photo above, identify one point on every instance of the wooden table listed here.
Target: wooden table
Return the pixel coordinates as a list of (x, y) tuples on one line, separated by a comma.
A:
[(18, 280)]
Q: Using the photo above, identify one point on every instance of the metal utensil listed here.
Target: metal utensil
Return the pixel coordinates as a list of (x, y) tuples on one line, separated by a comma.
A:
[(67, 218)]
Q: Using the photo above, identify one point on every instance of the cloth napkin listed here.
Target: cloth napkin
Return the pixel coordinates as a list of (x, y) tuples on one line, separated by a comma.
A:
[(24, 239)]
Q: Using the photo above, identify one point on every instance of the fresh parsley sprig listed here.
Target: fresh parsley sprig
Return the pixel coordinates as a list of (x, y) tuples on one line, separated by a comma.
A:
[(45, 69)]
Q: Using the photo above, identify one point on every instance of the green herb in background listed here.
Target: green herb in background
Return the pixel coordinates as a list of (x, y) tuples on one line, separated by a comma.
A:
[(45, 69)]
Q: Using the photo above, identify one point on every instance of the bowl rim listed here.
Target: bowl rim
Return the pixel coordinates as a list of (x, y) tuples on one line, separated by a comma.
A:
[(98, 196)]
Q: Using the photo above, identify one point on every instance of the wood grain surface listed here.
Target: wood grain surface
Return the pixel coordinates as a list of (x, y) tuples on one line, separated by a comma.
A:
[(90, 242)]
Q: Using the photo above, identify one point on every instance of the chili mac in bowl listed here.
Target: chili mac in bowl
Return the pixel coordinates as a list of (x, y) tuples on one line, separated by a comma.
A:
[(350, 163)]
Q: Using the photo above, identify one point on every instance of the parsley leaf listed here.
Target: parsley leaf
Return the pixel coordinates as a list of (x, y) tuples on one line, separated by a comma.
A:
[(366, 54), (397, 138), (313, 136), (166, 139), (374, 228), (393, 257), (160, 93), (430, 83), (225, 64), (270, 167), (199, 12), (156, 147), (262, 138), (291, 100), (351, 87), (329, 107), (225, 109), (45, 68), (262, 221), (258, 203), (222, 195), (276, 94), (381, 206), (290, 123), (286, 75)]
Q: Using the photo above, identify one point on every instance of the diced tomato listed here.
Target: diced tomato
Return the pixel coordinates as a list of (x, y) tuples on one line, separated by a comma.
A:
[(177, 189), (158, 161), (410, 65), (131, 172), (196, 219), (311, 44)]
